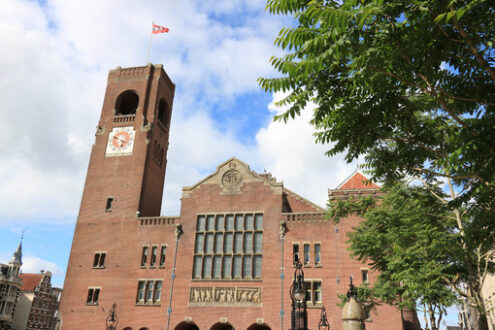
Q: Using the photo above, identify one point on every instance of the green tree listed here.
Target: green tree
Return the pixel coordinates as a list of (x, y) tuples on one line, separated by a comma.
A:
[(409, 85), (410, 237)]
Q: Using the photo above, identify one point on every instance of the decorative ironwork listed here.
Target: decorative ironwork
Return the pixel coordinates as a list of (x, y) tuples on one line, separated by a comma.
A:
[(299, 314)]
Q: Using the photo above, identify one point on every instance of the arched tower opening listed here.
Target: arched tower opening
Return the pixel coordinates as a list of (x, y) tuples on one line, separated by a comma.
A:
[(127, 103)]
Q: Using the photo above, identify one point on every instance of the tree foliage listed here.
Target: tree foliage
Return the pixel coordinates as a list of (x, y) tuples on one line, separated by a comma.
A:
[(411, 238), (411, 86)]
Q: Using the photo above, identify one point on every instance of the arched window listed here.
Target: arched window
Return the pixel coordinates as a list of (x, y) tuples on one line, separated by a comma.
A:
[(186, 326), (222, 326), (127, 328), (163, 112), (127, 103)]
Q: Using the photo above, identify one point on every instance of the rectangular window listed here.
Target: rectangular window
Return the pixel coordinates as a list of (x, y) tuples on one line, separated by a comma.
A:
[(99, 260), (313, 292), (144, 256), (154, 250), (228, 246), (317, 254), (295, 253), (306, 254), (364, 273), (163, 253), (109, 204), (93, 295), (149, 292)]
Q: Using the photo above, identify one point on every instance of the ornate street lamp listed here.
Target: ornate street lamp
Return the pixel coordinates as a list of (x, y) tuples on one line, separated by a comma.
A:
[(323, 324), (299, 315), (112, 318)]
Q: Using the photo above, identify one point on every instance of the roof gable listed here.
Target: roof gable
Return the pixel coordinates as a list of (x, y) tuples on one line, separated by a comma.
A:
[(30, 281), (357, 181)]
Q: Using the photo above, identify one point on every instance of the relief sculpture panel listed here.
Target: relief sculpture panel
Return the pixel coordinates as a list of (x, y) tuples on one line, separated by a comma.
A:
[(225, 296)]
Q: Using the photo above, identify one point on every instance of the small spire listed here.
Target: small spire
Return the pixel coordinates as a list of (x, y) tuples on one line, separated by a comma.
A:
[(17, 257)]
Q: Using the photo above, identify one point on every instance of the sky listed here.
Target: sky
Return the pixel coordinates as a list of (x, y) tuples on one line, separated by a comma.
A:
[(54, 63)]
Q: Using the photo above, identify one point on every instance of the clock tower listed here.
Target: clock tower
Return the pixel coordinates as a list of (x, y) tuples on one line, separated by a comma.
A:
[(128, 161), (124, 182)]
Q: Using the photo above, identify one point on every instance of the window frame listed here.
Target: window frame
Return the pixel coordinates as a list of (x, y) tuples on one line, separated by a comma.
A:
[(149, 288), (163, 255), (312, 303), (317, 254), (230, 244), (92, 300), (144, 255), (99, 259), (306, 253), (296, 253)]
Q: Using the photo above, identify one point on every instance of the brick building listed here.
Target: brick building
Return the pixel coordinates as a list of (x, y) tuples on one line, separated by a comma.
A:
[(37, 305), (225, 262)]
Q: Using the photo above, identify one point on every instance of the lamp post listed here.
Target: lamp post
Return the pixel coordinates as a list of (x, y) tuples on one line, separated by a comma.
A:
[(112, 318), (323, 324), (299, 315)]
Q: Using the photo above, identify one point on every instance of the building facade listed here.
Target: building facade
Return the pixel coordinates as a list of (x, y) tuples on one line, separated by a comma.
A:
[(10, 284), (226, 262), (37, 305)]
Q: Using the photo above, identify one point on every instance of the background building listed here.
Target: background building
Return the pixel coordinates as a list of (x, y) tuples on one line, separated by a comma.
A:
[(10, 283), (37, 305), (225, 262)]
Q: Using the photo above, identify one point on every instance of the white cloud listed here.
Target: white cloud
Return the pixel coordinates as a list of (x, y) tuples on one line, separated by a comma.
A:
[(32, 264)]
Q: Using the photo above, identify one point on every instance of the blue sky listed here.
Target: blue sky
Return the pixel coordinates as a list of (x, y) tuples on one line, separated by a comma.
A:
[(55, 58)]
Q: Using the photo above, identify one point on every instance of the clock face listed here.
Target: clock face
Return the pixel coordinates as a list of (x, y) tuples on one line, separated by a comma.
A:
[(120, 141)]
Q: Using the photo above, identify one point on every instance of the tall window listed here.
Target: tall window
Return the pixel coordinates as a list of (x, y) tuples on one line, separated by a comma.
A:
[(99, 260), (144, 256), (228, 246), (163, 253), (306, 254), (93, 295), (153, 255), (317, 254), (149, 292), (295, 253), (364, 273), (313, 292)]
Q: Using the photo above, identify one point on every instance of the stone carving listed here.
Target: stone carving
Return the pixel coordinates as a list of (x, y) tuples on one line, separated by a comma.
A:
[(229, 296), (231, 179)]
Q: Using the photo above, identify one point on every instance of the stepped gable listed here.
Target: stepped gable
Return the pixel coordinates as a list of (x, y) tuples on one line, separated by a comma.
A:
[(231, 175), (30, 281), (356, 184)]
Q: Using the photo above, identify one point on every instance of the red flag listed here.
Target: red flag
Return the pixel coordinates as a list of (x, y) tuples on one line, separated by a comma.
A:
[(158, 29)]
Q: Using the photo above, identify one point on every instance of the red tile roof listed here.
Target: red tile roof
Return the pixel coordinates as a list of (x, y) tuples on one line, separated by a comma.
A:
[(30, 281), (357, 181)]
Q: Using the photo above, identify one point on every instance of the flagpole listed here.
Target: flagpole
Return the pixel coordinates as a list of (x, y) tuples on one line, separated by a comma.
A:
[(149, 44)]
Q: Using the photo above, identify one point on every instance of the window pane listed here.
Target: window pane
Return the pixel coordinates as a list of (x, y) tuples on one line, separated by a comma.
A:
[(229, 220), (258, 221), (218, 243), (209, 243), (228, 242), (210, 223), (307, 288), (237, 266), (247, 267), (295, 253), (258, 242), (153, 255), (149, 291), (158, 290), (248, 242), (200, 224), (90, 296), (227, 265), (199, 243), (162, 255), (96, 259), (238, 243), (317, 292), (197, 267), (306, 253), (96, 294), (140, 295), (249, 222), (317, 254), (239, 223), (217, 266), (102, 260), (219, 225), (257, 266), (207, 267)]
